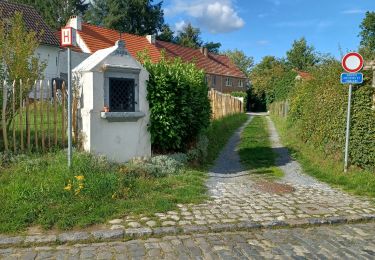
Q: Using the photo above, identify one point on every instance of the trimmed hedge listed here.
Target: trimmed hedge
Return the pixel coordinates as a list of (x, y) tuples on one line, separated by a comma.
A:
[(179, 104), (318, 114)]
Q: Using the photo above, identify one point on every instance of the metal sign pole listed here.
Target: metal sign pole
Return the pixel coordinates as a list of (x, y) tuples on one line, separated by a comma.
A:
[(69, 110), (348, 129)]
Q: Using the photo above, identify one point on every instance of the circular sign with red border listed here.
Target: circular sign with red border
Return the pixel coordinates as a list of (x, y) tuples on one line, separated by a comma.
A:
[(352, 62)]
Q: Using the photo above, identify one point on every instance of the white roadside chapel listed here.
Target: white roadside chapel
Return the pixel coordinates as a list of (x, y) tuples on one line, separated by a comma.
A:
[(113, 106)]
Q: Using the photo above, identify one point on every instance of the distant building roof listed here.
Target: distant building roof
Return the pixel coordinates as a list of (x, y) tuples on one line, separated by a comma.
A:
[(303, 75), (209, 62), (33, 20), (97, 38), (93, 38)]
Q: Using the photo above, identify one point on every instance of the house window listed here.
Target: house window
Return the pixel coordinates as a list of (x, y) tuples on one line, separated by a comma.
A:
[(228, 82), (121, 95), (206, 79), (213, 80), (240, 83)]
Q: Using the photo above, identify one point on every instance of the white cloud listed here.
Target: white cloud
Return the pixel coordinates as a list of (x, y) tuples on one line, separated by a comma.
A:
[(179, 25), (353, 11), (217, 16)]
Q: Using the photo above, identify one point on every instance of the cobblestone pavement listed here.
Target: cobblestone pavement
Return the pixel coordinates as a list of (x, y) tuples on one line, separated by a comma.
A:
[(356, 241), (250, 198)]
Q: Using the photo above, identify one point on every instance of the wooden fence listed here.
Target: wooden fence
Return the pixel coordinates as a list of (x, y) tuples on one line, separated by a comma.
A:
[(33, 116), (224, 104), (280, 108)]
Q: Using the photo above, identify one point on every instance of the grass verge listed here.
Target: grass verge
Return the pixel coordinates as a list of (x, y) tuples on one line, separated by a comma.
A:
[(38, 189), (255, 149), (219, 133), (356, 181)]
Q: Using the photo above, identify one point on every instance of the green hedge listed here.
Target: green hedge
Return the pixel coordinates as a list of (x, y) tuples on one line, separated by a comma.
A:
[(318, 114), (179, 104)]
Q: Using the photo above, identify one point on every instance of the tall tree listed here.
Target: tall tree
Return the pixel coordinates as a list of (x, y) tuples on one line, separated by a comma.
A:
[(57, 12), (189, 36), (166, 34), (238, 57), (367, 35), (139, 17), (302, 56), (213, 47)]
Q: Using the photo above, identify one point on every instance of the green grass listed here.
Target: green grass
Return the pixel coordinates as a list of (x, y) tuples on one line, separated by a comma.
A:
[(255, 149), (219, 133), (32, 192), (32, 188), (314, 163)]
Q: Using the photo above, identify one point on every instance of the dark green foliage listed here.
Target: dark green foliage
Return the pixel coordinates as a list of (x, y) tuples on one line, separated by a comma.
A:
[(302, 56), (139, 17), (318, 115), (179, 104), (367, 35), (213, 47), (166, 34), (56, 12), (189, 36), (283, 85)]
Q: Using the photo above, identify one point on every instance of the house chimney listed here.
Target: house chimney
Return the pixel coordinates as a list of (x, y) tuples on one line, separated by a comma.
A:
[(201, 49), (151, 39), (205, 51), (75, 22)]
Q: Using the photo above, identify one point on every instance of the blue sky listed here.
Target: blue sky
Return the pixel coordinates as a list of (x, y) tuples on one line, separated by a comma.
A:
[(268, 27)]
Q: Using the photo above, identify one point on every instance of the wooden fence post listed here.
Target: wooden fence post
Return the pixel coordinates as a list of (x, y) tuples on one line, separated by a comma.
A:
[(55, 112), (41, 97), (21, 118), (14, 113), (35, 116), (3, 116)]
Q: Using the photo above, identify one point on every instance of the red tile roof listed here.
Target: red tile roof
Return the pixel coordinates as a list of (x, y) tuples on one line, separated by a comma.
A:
[(211, 64), (97, 38), (33, 21), (304, 75)]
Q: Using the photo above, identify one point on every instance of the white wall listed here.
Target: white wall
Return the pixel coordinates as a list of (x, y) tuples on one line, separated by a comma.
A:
[(50, 55)]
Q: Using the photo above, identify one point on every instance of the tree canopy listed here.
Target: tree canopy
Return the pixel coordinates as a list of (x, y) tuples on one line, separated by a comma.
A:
[(189, 36), (213, 47), (56, 12), (139, 17), (166, 34), (238, 57), (302, 56), (367, 35)]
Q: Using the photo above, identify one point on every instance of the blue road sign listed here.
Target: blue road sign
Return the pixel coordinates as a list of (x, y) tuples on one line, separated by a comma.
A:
[(351, 78)]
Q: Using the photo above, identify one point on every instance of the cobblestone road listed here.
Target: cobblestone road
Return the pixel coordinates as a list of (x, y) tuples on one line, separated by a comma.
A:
[(356, 241), (250, 198)]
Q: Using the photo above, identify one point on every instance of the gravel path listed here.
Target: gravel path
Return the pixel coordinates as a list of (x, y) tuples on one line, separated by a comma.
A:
[(228, 161), (291, 168)]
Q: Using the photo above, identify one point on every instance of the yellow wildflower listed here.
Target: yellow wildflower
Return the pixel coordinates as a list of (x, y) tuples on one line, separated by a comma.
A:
[(79, 177), (68, 187)]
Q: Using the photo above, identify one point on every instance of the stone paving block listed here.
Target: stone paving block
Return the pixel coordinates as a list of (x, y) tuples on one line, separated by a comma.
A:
[(73, 236), (138, 232), (108, 234), (38, 239)]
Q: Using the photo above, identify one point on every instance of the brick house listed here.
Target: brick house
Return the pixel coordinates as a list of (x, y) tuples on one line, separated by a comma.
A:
[(221, 73)]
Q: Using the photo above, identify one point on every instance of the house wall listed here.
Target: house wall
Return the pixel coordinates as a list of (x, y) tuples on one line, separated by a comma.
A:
[(49, 55), (220, 84)]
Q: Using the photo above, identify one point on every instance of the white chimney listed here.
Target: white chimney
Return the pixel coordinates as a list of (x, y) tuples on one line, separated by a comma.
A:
[(151, 38), (75, 22), (205, 51)]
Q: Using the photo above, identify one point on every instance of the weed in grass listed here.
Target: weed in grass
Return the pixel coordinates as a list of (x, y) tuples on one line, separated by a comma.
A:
[(255, 149)]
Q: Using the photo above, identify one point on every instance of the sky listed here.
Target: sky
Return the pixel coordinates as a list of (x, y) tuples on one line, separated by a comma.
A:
[(269, 27)]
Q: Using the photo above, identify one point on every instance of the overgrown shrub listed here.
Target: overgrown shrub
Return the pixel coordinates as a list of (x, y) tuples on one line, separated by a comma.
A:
[(179, 104), (318, 114)]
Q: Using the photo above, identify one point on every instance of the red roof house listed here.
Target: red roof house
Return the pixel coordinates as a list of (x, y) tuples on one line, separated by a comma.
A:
[(221, 73)]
